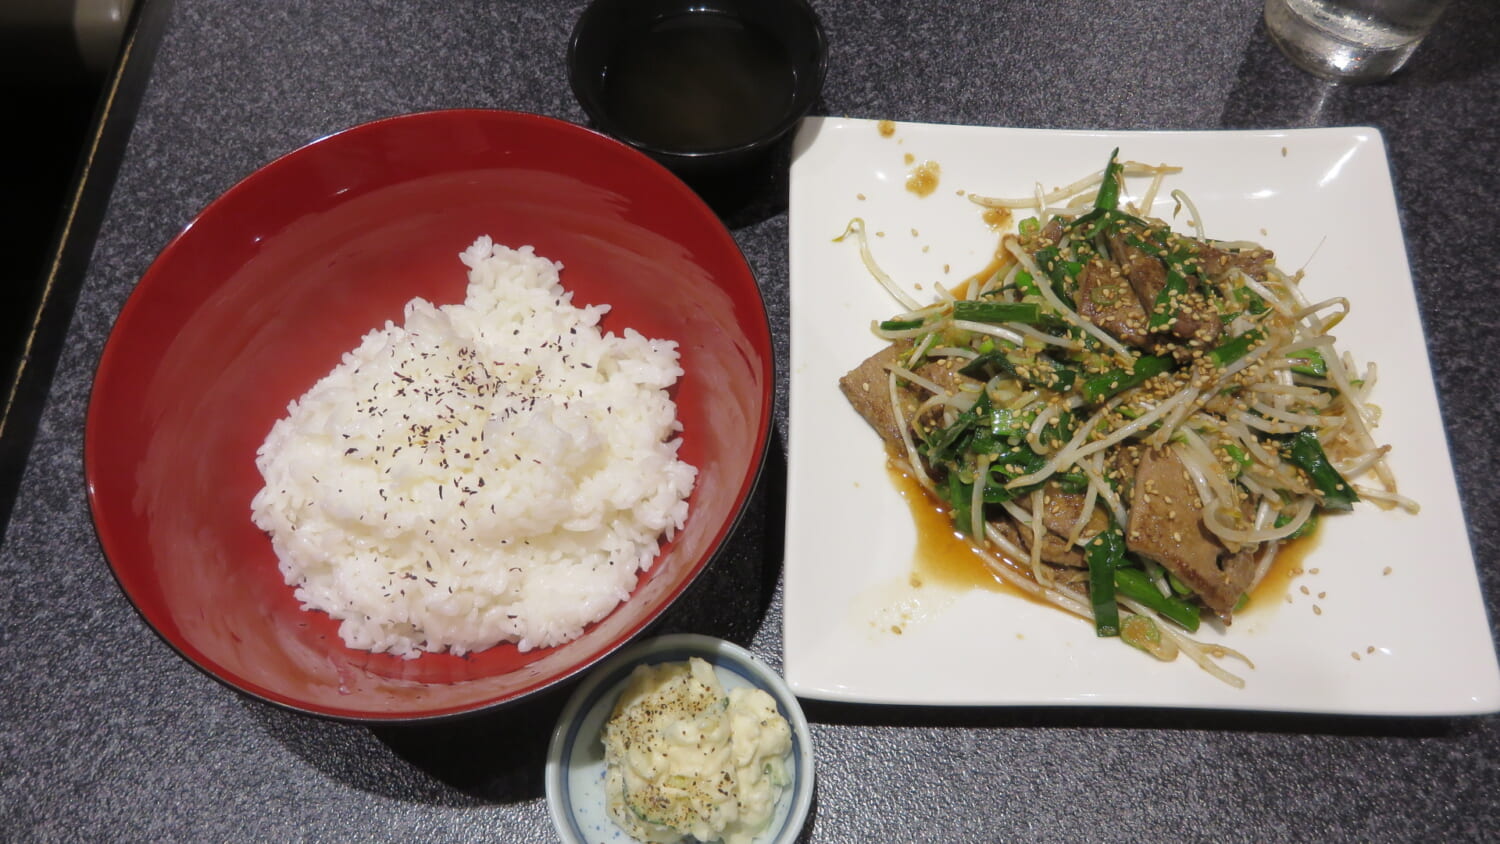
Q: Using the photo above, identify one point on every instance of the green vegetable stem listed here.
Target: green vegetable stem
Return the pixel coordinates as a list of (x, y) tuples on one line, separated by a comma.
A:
[(1306, 453)]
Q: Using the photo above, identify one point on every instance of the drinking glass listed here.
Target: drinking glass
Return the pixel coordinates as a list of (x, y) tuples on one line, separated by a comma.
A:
[(1351, 40)]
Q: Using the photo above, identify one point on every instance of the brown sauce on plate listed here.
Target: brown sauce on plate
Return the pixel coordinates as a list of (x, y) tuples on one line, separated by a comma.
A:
[(924, 178), (943, 556), (998, 219), (1286, 568)]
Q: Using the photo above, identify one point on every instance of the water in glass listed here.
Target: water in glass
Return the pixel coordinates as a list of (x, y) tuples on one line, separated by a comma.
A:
[(1351, 40)]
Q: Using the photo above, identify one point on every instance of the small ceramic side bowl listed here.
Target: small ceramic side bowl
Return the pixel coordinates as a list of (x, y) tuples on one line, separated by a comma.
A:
[(575, 758), (705, 87)]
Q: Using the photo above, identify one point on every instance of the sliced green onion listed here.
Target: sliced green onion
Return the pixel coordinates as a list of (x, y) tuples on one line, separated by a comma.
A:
[(1109, 383), (1309, 362), (1061, 273), (1058, 430), (1013, 463), (1251, 300), (1236, 348), (1005, 422), (1109, 190), (1026, 284), (1072, 483), (1305, 452), (1105, 554), (960, 497), (1162, 312), (1134, 583), (994, 431), (1008, 465), (1307, 528), (1029, 313), (942, 447), (1140, 631), (1037, 369)]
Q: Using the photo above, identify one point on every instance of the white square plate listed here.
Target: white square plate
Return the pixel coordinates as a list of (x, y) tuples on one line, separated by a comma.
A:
[(1392, 621)]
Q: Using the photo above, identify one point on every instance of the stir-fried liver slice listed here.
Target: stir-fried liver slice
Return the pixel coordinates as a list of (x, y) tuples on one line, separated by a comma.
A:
[(1106, 299), (1166, 525), (1055, 549), (1061, 510), (1196, 322), (1146, 274), (867, 389), (1252, 262)]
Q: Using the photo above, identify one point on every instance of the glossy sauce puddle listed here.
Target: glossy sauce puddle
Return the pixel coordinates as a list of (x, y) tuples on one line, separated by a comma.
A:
[(943, 558)]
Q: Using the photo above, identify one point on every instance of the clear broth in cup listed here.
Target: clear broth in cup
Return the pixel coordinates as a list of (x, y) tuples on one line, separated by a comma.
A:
[(699, 82)]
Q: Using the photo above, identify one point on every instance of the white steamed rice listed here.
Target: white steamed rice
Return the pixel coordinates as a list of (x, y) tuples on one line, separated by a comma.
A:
[(495, 471)]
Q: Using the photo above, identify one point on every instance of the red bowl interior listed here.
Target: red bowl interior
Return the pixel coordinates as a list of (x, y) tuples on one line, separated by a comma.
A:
[(260, 296)]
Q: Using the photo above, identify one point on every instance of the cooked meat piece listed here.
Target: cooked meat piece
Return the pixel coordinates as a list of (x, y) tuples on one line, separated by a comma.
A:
[(866, 388), (1106, 300), (1053, 230), (1166, 525), (1146, 274), (1197, 322), (1074, 577), (1252, 262), (945, 373), (1239, 567), (1055, 549), (1060, 512)]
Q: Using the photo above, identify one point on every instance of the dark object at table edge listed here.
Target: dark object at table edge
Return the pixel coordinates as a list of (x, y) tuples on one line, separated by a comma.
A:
[(73, 244)]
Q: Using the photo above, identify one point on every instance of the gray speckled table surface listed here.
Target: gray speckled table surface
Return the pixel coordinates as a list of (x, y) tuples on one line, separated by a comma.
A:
[(106, 734)]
